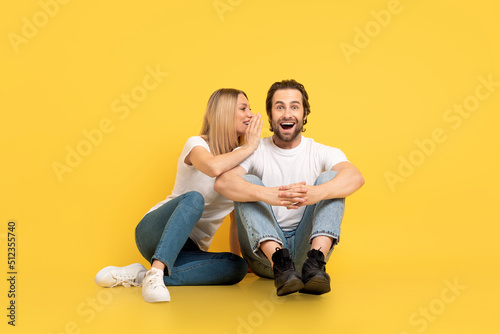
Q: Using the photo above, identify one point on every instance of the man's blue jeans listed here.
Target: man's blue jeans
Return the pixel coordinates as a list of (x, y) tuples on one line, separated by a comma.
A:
[(163, 234), (256, 223)]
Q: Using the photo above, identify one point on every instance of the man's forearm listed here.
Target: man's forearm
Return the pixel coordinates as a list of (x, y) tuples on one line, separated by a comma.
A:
[(231, 185), (345, 183), (235, 188)]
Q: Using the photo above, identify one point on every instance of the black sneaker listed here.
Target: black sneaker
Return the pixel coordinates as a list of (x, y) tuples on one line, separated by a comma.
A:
[(316, 280), (286, 279)]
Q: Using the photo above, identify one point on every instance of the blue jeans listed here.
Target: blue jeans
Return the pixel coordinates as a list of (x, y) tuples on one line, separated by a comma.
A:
[(163, 234), (256, 223)]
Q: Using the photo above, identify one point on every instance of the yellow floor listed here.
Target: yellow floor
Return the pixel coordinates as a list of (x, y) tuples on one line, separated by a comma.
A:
[(390, 296)]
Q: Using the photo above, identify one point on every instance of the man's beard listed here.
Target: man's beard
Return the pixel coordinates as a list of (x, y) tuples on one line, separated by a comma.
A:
[(287, 137)]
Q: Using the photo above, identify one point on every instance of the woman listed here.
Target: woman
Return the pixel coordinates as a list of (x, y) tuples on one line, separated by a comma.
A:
[(176, 233)]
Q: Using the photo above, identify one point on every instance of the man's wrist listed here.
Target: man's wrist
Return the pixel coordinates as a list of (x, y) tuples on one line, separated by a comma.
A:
[(263, 194), (323, 192)]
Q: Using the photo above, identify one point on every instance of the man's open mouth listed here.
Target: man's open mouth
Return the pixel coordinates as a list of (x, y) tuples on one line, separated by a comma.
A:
[(287, 125)]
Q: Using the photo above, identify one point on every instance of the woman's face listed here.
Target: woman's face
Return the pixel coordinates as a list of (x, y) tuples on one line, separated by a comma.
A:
[(243, 115)]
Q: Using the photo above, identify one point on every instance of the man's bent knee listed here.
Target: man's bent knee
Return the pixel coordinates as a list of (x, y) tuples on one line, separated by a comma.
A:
[(252, 179), (325, 177)]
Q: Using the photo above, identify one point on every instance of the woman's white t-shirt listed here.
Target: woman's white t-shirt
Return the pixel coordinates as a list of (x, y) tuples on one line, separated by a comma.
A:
[(188, 178)]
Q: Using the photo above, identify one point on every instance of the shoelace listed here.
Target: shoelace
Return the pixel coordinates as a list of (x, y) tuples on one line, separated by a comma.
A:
[(284, 262), (314, 261), (155, 280), (125, 280)]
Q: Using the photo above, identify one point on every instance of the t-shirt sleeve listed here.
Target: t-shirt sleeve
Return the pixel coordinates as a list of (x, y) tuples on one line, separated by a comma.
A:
[(330, 156), (193, 142), (247, 163), (190, 144)]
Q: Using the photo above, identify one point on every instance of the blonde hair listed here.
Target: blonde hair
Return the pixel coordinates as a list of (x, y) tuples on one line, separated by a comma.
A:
[(218, 122)]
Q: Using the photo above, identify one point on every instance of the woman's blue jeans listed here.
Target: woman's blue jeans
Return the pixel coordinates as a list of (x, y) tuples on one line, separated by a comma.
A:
[(163, 234), (256, 223)]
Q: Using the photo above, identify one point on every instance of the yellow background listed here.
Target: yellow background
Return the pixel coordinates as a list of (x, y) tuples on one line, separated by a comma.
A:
[(401, 247)]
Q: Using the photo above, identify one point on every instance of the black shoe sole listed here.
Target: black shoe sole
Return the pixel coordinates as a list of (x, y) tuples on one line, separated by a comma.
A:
[(294, 284), (317, 285)]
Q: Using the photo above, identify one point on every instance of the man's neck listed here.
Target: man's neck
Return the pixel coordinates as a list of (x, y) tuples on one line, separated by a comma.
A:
[(287, 145)]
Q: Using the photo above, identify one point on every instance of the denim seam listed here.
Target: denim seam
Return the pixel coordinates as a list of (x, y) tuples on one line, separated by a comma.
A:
[(268, 237), (329, 233), (165, 262)]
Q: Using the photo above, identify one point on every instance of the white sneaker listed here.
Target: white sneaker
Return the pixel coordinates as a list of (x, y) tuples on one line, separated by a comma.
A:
[(131, 275), (153, 287)]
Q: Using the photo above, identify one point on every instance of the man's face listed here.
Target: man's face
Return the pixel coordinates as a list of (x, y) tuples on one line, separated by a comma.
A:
[(287, 117)]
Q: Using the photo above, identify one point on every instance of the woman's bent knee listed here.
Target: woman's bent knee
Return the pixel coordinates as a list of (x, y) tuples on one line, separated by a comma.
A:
[(237, 269), (195, 198)]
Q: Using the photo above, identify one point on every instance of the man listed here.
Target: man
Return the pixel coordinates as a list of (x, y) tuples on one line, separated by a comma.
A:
[(289, 207)]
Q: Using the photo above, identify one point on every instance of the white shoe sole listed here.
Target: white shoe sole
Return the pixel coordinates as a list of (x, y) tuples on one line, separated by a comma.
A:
[(157, 299)]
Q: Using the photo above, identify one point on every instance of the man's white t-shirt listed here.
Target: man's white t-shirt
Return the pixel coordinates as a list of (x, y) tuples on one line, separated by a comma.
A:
[(191, 179), (277, 167)]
